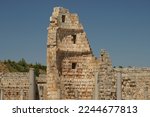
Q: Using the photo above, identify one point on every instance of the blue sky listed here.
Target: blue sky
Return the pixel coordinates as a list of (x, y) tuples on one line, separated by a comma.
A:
[(122, 27)]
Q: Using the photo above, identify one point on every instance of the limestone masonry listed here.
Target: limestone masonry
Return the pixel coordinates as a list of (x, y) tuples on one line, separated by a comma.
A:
[(22, 86), (73, 72)]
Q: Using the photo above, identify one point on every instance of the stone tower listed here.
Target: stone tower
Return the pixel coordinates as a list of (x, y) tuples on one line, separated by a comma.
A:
[(70, 62)]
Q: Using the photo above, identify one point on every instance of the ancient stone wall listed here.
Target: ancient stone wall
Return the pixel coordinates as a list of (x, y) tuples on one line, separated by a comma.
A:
[(78, 78), (135, 83), (74, 73), (106, 79), (14, 86), (18, 86)]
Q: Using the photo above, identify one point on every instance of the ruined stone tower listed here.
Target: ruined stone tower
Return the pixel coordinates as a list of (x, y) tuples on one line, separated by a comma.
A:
[(69, 72), (74, 73)]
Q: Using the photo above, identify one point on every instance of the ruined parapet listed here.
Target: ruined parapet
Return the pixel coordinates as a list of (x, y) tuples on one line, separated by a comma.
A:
[(106, 78), (104, 58), (62, 18)]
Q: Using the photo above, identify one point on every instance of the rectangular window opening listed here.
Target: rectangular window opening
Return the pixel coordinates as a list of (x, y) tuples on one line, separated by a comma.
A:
[(74, 39), (74, 65), (25, 93), (63, 18)]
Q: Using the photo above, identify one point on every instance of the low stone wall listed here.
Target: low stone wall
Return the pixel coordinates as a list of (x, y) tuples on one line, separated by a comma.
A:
[(14, 86), (18, 86), (135, 82)]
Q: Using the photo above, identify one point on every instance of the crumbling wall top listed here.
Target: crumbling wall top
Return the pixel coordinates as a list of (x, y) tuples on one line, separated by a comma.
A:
[(60, 10), (62, 18), (104, 57)]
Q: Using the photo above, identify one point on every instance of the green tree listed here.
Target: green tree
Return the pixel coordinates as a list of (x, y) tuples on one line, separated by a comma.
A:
[(23, 66), (36, 69)]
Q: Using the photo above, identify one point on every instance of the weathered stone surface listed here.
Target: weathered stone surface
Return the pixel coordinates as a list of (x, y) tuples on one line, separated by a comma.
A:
[(15, 86), (74, 73), (69, 58), (135, 82)]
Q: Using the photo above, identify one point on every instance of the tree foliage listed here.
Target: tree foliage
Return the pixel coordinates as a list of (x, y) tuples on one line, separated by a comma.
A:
[(23, 66)]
